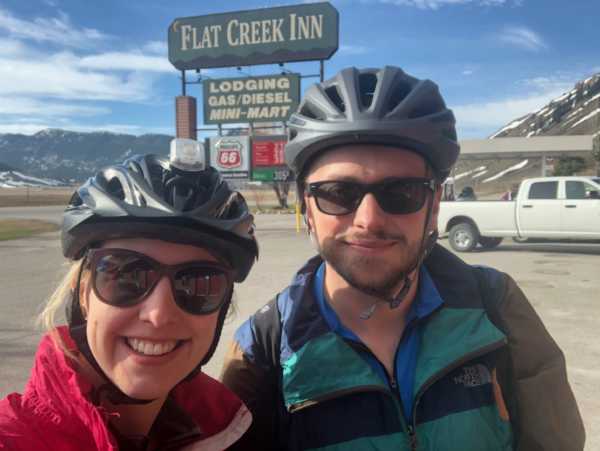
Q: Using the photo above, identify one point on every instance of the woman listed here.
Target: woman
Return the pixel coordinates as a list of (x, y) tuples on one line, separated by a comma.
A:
[(157, 246)]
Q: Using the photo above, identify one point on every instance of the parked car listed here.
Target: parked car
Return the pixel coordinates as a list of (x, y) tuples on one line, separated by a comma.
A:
[(548, 207)]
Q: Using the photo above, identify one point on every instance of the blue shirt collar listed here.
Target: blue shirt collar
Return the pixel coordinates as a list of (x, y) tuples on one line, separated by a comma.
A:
[(427, 300)]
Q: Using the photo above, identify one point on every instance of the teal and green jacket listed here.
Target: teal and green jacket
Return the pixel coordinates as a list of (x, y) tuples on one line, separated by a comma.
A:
[(488, 375)]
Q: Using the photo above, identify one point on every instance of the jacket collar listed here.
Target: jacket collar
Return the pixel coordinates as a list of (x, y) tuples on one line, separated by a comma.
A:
[(59, 394), (317, 363)]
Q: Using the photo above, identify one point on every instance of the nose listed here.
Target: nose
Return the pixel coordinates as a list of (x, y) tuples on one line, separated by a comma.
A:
[(369, 215), (159, 308)]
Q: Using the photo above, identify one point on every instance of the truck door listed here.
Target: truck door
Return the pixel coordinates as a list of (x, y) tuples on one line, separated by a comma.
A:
[(580, 210), (539, 211)]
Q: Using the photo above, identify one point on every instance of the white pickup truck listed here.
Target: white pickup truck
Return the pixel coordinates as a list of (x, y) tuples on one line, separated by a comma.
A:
[(548, 207)]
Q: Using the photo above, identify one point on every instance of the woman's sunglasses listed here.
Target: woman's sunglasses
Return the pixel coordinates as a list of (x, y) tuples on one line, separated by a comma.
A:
[(399, 196), (123, 278)]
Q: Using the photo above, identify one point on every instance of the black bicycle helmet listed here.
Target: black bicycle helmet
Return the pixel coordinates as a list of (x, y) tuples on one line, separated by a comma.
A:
[(151, 197), (146, 197), (374, 106)]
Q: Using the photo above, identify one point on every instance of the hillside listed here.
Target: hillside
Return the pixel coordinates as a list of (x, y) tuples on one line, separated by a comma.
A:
[(576, 112), (72, 156)]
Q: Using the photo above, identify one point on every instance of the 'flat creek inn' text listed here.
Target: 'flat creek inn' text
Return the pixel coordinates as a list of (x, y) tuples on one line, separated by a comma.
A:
[(238, 33)]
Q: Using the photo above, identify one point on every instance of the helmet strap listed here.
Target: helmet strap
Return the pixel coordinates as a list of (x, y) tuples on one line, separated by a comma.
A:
[(428, 240), (77, 330)]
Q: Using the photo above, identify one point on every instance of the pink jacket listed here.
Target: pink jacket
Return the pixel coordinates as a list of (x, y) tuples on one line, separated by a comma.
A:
[(54, 412)]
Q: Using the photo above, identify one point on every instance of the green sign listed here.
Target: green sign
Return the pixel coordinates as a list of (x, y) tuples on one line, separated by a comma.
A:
[(270, 98), (260, 36), (272, 174)]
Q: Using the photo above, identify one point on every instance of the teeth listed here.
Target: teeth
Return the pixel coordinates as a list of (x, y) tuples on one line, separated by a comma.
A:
[(150, 347)]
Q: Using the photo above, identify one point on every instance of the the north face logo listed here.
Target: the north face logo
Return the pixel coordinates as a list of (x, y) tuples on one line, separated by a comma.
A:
[(473, 376)]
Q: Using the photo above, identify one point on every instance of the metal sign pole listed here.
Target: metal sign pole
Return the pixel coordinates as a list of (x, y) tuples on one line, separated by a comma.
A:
[(322, 70), (183, 82)]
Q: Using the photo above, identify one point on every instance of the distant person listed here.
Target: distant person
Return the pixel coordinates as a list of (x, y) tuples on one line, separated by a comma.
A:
[(467, 193), (385, 340), (511, 194), (156, 250)]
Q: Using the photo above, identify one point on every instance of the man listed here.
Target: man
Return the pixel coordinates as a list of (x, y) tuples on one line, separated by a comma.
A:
[(386, 341)]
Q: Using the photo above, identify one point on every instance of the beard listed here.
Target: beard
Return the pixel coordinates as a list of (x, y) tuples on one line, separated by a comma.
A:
[(373, 275)]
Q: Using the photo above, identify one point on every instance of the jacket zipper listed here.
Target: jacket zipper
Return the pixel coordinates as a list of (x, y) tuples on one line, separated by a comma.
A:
[(393, 383)]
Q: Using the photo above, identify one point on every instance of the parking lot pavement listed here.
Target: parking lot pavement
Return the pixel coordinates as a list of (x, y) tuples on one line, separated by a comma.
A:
[(561, 281)]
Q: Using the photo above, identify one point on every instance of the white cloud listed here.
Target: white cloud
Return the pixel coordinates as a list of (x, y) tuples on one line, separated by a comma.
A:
[(522, 37), (12, 47), (437, 4), (57, 30), (41, 108), (467, 72), (482, 119), (353, 49), (157, 47), (127, 61), (58, 75)]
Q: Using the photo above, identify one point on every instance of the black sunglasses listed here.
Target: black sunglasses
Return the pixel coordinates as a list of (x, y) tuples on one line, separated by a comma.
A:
[(397, 196), (122, 278)]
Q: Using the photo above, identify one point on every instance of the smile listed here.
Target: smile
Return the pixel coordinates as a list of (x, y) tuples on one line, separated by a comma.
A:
[(154, 348)]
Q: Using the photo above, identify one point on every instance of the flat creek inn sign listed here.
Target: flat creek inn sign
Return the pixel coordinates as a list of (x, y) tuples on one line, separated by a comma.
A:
[(262, 36), (256, 99)]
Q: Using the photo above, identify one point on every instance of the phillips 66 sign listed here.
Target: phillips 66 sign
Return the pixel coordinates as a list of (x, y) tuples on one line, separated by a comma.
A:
[(230, 155)]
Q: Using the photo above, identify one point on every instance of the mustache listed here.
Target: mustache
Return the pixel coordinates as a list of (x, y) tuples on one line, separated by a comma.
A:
[(379, 235)]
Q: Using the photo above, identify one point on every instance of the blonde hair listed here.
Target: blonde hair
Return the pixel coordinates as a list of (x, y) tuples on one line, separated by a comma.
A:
[(61, 295)]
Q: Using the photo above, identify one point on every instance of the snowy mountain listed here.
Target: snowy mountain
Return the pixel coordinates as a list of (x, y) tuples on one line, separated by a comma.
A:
[(576, 112), (16, 179), (72, 156)]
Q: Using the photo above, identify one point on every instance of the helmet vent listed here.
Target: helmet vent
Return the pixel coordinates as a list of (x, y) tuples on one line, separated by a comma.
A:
[(367, 83), (450, 133), (334, 96), (115, 187), (426, 109), (75, 200), (307, 112), (397, 95)]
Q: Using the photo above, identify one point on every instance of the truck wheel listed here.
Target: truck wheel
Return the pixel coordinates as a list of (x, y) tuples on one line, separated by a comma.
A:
[(490, 242), (463, 237)]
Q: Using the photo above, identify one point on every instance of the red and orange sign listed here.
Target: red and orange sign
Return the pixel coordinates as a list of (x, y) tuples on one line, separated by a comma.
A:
[(268, 153)]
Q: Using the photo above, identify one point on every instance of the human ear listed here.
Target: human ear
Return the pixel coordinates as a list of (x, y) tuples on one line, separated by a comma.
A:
[(435, 208)]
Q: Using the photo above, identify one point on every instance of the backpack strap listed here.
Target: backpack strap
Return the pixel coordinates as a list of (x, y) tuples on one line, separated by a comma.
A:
[(267, 322), (492, 288)]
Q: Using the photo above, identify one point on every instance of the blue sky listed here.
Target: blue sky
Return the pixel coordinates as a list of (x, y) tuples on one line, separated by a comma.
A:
[(103, 65)]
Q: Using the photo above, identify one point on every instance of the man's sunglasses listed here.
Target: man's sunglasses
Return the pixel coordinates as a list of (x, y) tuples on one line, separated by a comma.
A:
[(123, 278), (398, 196)]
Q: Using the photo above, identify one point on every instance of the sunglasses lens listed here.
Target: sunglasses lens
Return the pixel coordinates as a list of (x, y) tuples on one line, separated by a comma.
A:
[(123, 279), (397, 197), (338, 198), (402, 197), (200, 290)]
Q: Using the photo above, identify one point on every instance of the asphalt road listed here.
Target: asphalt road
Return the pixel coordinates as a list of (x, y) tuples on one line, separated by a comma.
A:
[(561, 281)]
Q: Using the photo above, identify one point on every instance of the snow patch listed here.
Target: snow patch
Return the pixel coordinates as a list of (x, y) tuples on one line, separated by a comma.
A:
[(479, 174), (510, 126), (464, 174), (586, 117), (516, 167)]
